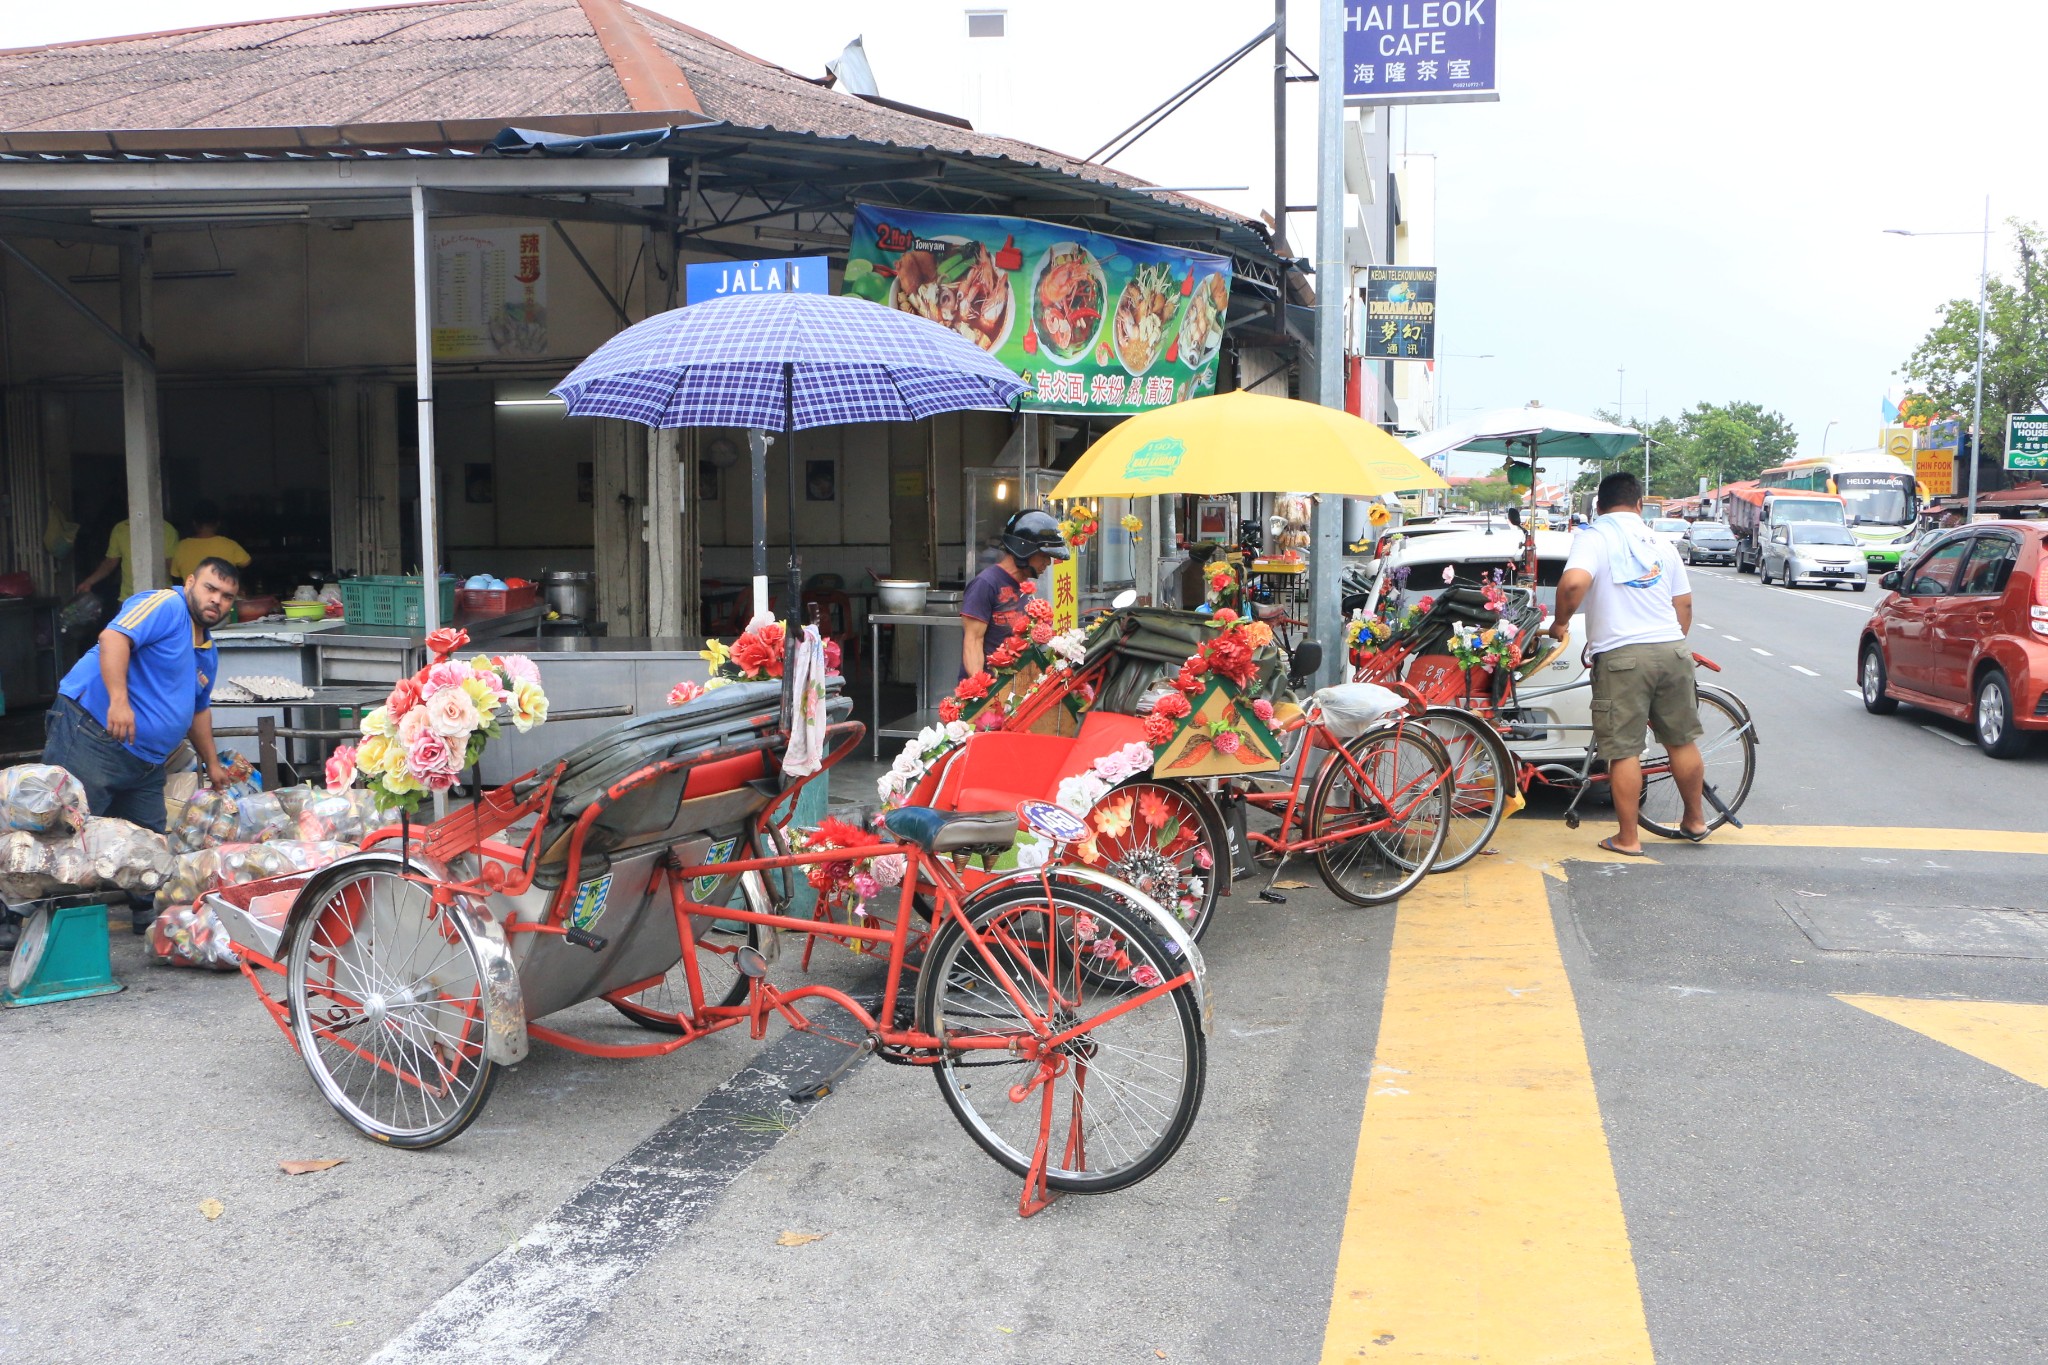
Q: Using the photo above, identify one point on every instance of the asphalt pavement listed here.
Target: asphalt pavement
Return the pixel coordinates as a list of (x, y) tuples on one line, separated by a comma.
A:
[(1740, 1101)]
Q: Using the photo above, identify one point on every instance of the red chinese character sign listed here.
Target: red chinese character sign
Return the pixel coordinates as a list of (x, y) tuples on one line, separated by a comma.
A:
[(1066, 594), (1091, 323)]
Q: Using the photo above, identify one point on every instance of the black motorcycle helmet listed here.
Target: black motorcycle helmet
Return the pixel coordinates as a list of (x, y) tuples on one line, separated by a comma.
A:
[(1032, 532)]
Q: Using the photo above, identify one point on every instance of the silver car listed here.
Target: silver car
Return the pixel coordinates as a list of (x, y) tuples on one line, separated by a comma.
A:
[(1707, 542), (1811, 553)]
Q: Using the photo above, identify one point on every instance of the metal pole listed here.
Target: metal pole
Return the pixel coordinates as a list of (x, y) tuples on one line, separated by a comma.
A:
[(1279, 119), (423, 373), (1333, 282), (1977, 410), (757, 451), (796, 610)]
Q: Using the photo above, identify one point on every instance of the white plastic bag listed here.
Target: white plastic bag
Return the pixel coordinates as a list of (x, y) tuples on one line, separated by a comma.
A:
[(126, 856), (1350, 709), (40, 798)]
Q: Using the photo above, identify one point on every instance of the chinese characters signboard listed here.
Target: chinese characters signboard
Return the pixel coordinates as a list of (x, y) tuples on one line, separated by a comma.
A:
[(1066, 594), (784, 275), (2026, 441), (1400, 312), (1091, 323), (1934, 464), (490, 293), (1418, 51)]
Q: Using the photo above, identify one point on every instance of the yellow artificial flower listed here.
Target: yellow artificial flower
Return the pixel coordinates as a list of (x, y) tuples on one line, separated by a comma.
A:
[(483, 694), (714, 653), (529, 706), (373, 755), (379, 722), (399, 781)]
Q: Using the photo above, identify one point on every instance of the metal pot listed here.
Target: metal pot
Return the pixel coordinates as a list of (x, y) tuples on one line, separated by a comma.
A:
[(572, 596), (901, 596)]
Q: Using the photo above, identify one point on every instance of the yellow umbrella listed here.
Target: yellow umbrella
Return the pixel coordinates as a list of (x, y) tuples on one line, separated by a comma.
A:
[(1245, 443)]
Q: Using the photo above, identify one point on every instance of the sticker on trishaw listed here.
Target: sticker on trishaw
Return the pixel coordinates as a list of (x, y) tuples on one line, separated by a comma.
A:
[(1053, 823), (702, 887), (1220, 736), (590, 899)]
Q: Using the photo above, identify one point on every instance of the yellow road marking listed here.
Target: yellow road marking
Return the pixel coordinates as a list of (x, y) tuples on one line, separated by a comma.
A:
[(2012, 1037), (1483, 1221), (1918, 840)]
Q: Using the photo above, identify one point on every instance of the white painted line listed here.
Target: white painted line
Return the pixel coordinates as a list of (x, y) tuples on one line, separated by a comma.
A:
[(1703, 625), (1951, 738), (1735, 638), (1852, 692), (1809, 673), (1754, 649)]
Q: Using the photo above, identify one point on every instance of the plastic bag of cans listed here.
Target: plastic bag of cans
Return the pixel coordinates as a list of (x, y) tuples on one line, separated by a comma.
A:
[(127, 856), (188, 934), (32, 868), (40, 798), (346, 816), (217, 816)]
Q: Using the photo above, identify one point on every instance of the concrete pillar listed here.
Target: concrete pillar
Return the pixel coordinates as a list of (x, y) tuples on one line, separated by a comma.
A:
[(619, 497), (378, 539), (141, 438), (344, 405), (668, 612)]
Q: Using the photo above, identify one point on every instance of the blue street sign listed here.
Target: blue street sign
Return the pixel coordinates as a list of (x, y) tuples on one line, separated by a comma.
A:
[(784, 275), (1419, 51)]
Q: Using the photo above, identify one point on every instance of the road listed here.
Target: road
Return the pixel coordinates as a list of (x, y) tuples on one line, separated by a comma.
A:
[(1775, 1097)]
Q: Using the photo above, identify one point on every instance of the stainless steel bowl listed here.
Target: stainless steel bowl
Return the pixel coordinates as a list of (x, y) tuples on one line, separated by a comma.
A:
[(901, 596)]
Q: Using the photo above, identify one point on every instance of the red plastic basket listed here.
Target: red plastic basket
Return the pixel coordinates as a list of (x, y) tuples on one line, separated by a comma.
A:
[(496, 601)]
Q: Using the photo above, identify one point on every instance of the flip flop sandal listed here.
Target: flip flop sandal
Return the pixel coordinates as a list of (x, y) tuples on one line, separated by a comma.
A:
[(1608, 844), (1692, 838)]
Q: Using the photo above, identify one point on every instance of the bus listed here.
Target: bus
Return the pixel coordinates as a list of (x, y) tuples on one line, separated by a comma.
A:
[(1876, 489)]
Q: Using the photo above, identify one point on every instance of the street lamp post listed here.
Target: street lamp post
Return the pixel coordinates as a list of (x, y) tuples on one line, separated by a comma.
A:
[(1442, 390), (1983, 283), (1827, 431)]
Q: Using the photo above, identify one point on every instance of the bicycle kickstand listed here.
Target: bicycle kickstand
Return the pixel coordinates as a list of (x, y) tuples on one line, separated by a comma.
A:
[(1266, 893), (1707, 789)]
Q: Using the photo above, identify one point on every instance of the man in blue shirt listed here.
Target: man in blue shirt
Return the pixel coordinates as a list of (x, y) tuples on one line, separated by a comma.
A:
[(147, 684)]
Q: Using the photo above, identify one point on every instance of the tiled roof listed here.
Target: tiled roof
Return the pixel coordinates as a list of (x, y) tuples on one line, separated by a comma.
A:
[(457, 64)]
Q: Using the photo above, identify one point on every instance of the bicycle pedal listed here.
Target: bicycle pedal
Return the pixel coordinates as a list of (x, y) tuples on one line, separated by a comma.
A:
[(1272, 898)]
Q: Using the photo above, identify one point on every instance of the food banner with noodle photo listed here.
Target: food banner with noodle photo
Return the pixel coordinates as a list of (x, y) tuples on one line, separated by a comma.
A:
[(1092, 323)]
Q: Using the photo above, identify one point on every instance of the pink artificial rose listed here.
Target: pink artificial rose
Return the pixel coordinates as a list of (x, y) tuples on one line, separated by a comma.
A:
[(439, 781), (519, 668), (413, 726), (1263, 709), (1228, 742), (1145, 975), (431, 754), (865, 886), (446, 674), (1203, 860), (451, 713), (683, 693), (341, 768)]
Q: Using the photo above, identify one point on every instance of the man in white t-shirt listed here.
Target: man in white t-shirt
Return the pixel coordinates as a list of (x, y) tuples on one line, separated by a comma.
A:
[(1638, 605)]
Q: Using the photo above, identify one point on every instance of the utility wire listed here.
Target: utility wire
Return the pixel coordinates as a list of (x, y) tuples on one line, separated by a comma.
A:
[(1166, 108)]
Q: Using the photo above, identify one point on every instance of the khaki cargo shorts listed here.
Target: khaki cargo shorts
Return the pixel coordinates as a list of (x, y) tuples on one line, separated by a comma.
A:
[(1639, 688)]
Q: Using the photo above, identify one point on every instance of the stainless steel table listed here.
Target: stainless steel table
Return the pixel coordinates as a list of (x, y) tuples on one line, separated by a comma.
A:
[(903, 727)]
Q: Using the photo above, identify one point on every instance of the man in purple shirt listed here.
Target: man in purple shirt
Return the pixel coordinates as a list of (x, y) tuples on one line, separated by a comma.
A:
[(992, 609)]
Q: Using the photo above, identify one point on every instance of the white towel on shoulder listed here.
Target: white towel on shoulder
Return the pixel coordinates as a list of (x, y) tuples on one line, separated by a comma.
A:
[(1635, 554)]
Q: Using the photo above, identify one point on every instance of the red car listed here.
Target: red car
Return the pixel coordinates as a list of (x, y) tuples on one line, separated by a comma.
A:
[(1965, 633)]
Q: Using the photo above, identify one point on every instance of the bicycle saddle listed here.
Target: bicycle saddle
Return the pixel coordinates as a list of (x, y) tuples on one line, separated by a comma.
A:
[(939, 831)]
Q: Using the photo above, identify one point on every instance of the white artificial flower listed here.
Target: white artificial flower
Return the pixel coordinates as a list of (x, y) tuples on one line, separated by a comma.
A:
[(1030, 851), (1079, 793), (906, 764), (958, 731)]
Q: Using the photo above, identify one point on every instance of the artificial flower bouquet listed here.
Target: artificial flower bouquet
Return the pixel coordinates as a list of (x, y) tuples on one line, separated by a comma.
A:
[(756, 656), (1214, 722), (436, 723)]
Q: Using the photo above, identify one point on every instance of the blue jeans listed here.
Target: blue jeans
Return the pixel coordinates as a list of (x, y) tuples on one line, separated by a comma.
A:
[(118, 784)]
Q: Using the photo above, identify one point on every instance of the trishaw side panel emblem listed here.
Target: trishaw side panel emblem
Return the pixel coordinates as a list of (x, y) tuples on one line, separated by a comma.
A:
[(590, 899)]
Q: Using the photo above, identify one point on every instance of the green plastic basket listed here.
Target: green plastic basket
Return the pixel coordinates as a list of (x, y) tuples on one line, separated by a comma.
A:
[(389, 601)]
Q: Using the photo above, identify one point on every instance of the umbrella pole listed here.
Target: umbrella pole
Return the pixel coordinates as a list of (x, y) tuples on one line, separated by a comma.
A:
[(757, 448), (1529, 522), (796, 611)]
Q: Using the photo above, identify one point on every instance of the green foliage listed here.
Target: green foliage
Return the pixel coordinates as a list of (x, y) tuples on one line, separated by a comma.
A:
[(1492, 493), (1944, 365), (1718, 442)]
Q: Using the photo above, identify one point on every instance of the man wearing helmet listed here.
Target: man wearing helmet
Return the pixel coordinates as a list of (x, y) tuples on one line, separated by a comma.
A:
[(992, 609)]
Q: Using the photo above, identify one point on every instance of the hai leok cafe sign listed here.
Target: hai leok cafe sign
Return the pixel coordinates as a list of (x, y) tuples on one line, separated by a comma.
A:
[(783, 275), (1419, 51)]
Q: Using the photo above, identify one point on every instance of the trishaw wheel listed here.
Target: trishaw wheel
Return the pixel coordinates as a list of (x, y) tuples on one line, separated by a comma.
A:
[(1158, 837), (662, 1007), (1728, 752), (1127, 1088), (386, 997), (1391, 805), (1485, 781)]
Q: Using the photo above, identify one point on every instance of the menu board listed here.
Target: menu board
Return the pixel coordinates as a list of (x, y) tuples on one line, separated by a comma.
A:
[(1090, 323), (490, 293)]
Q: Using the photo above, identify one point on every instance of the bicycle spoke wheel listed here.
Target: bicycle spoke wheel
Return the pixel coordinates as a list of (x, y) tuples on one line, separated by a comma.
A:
[(1727, 747), (1390, 803), (1128, 1087), (1484, 778), (661, 1007), (386, 998), (1155, 836)]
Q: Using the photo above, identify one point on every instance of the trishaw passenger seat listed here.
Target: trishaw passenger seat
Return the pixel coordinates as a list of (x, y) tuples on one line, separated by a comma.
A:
[(937, 831)]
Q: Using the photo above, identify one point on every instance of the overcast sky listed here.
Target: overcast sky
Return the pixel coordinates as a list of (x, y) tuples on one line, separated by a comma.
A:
[(1695, 192)]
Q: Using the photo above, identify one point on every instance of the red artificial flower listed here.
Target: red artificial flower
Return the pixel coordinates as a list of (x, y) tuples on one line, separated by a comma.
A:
[(1008, 654), (1038, 609), (1172, 706), (1158, 728), (1188, 681), (834, 656), (1425, 605), (974, 688), (403, 698), (756, 655), (446, 641), (1223, 616), (835, 833), (1229, 742), (1041, 634), (1263, 709), (949, 711), (991, 718)]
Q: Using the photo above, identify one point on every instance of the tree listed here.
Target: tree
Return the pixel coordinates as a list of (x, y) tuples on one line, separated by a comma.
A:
[(1718, 442), (1493, 492), (1944, 365)]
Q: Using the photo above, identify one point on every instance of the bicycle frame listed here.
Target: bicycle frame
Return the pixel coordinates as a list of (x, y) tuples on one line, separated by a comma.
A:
[(1318, 735)]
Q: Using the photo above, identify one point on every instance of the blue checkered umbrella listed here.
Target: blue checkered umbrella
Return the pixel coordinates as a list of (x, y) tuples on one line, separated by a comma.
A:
[(784, 362), (773, 362)]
